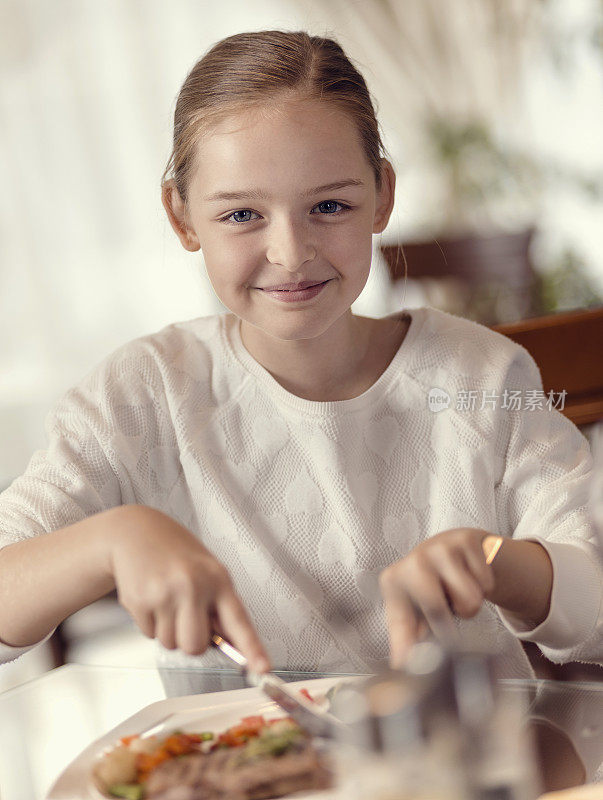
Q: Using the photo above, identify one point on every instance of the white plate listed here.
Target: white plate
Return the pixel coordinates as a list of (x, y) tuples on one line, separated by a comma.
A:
[(211, 712)]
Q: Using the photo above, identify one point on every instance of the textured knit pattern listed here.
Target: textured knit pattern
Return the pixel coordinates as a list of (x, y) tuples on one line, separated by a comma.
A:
[(306, 502)]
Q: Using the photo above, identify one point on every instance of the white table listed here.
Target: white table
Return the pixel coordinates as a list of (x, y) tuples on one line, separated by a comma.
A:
[(47, 722)]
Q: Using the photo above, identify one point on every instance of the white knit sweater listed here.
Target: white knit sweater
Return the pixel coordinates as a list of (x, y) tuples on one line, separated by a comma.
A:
[(306, 502)]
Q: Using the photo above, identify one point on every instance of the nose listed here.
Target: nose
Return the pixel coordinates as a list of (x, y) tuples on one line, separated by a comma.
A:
[(289, 245)]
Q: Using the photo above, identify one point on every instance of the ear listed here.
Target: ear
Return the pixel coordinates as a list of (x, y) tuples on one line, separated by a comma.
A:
[(385, 197), (176, 211)]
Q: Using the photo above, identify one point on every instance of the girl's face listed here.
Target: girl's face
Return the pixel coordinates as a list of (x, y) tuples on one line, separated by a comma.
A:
[(262, 210)]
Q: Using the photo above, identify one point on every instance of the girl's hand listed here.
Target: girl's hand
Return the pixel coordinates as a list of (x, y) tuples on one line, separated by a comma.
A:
[(444, 575), (174, 588)]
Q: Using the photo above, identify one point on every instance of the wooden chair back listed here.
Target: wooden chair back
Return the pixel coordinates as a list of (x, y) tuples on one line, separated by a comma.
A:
[(491, 277), (568, 348)]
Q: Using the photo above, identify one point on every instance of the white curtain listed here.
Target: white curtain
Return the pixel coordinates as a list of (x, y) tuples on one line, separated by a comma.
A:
[(87, 257)]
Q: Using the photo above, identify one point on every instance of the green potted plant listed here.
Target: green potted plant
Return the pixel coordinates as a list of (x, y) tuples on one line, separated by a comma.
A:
[(484, 188)]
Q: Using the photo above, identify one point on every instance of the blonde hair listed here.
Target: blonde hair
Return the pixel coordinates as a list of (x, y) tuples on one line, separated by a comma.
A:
[(249, 72)]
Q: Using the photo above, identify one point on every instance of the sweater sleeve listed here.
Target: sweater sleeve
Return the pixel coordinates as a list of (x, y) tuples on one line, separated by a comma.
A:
[(84, 469), (71, 479), (543, 496)]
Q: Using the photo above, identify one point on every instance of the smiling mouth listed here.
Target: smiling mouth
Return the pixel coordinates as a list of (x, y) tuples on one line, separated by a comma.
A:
[(300, 287)]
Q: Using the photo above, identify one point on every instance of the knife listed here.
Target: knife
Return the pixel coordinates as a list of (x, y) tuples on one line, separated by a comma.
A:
[(310, 716)]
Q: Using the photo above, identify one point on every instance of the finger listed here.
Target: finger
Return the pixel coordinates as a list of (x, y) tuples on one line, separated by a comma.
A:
[(215, 626), (427, 593), (145, 621), (165, 629), (482, 572), (239, 630), (423, 630), (403, 625), (464, 592), (192, 628)]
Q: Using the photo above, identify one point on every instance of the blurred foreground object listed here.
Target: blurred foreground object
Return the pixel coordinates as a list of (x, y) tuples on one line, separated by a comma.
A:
[(439, 728)]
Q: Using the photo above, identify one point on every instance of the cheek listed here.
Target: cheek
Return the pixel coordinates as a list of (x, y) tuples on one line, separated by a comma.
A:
[(229, 264), (351, 252)]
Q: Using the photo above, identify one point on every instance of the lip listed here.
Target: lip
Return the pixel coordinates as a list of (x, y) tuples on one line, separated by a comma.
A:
[(297, 295), (290, 287)]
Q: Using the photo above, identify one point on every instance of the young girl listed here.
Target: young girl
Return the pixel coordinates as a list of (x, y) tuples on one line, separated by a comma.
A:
[(311, 483)]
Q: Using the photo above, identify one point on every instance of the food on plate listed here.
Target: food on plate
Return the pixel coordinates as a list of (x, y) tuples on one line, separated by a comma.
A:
[(278, 761), (122, 771), (256, 758)]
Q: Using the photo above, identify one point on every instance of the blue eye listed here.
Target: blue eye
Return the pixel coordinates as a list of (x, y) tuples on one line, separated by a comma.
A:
[(235, 221), (332, 203), (242, 211)]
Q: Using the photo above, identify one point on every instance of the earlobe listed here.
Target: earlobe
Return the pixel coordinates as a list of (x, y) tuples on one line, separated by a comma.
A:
[(175, 209), (385, 197)]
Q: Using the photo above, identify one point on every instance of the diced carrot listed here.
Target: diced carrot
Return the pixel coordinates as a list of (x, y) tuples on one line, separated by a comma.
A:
[(305, 693), (236, 731), (232, 738), (201, 737), (171, 745), (145, 762), (244, 730), (253, 723), (128, 739), (146, 765)]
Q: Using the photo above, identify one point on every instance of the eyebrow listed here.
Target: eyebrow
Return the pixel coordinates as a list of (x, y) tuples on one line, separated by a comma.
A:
[(259, 194)]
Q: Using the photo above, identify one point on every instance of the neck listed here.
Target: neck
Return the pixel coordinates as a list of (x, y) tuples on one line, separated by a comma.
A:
[(329, 367)]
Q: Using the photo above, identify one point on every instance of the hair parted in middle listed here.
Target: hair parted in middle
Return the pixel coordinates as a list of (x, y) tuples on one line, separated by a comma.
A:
[(256, 71)]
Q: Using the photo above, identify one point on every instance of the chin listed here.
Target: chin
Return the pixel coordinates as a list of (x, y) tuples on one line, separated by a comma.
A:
[(294, 327)]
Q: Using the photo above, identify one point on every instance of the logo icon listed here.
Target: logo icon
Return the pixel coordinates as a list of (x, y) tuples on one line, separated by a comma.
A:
[(438, 400)]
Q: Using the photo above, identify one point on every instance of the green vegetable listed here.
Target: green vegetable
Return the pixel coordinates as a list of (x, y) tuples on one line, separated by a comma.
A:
[(129, 791), (272, 741), (206, 736)]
